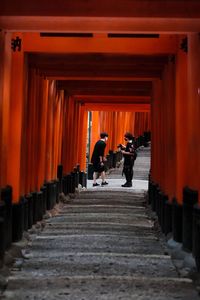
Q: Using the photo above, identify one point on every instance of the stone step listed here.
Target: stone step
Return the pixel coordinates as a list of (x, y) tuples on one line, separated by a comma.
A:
[(92, 208), (106, 217), (100, 288), (98, 243), (101, 264), (84, 230), (131, 214), (89, 200), (98, 227), (118, 194)]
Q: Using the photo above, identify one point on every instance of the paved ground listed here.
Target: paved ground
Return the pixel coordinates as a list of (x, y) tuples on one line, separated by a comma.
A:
[(101, 246)]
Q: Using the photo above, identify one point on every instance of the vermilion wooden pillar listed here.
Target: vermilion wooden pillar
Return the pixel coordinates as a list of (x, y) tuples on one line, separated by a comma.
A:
[(163, 132), (155, 125), (182, 121), (82, 137), (66, 133), (57, 138), (5, 81), (70, 134), (168, 145), (95, 130), (16, 121), (142, 123), (42, 135), (193, 162), (29, 143), (49, 135)]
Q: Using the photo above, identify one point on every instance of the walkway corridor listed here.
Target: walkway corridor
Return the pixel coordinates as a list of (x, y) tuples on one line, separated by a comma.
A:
[(101, 246)]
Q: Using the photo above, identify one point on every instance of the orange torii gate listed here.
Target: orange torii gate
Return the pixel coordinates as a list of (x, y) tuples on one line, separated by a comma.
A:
[(39, 123), (32, 106)]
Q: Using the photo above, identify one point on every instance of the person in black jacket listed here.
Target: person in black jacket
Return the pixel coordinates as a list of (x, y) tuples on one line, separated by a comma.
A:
[(129, 155), (98, 159)]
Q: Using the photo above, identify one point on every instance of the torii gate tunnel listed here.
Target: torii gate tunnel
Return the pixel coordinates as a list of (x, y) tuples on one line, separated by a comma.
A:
[(134, 65)]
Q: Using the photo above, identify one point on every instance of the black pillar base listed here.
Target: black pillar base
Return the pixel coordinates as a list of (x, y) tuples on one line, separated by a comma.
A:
[(85, 180), (6, 197), (64, 184), (177, 221), (2, 229), (81, 178), (75, 175), (25, 201), (167, 217), (69, 188), (196, 235), (60, 176), (153, 199), (59, 172), (51, 194), (17, 221), (150, 190), (57, 188), (29, 198), (157, 199), (190, 198), (90, 171), (73, 182), (114, 160), (35, 207), (44, 193), (163, 201), (40, 206)]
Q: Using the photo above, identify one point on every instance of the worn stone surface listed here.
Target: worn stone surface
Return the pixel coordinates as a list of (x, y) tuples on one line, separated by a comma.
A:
[(101, 245)]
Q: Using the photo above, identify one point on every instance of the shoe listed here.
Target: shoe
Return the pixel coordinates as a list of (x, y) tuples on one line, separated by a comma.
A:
[(104, 183), (96, 184), (127, 184)]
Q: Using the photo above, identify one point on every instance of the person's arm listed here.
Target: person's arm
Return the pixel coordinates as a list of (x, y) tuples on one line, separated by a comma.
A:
[(130, 152), (127, 153), (101, 152)]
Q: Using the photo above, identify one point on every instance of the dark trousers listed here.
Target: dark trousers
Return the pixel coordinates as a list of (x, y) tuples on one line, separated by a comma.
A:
[(128, 171)]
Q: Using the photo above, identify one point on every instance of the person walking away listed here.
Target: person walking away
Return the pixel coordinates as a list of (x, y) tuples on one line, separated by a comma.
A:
[(98, 159), (129, 155)]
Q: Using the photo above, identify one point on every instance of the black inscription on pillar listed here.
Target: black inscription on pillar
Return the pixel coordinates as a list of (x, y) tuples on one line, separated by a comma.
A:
[(16, 44), (184, 45)]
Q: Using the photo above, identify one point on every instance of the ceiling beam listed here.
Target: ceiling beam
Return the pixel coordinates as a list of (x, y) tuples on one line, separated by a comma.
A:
[(104, 8), (176, 25)]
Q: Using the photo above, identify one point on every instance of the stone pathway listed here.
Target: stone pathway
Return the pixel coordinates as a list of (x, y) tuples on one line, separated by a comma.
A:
[(101, 246)]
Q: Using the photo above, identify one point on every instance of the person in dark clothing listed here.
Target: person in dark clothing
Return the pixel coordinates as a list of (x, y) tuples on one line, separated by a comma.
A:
[(98, 159), (129, 154)]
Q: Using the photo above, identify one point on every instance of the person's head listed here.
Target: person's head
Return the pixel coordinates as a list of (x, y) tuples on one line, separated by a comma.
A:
[(128, 136), (104, 135)]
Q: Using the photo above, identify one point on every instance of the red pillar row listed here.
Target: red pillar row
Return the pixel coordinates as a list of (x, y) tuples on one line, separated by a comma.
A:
[(116, 124), (74, 135), (42, 139), (39, 125), (176, 122)]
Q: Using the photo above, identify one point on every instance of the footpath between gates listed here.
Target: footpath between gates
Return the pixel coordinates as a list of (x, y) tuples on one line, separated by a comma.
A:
[(104, 243)]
